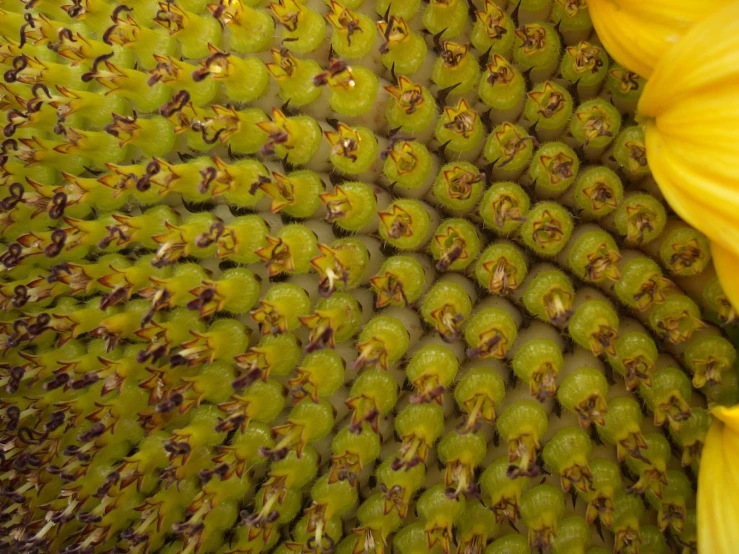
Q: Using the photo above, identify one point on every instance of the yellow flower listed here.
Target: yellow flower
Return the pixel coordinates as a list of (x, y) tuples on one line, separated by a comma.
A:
[(691, 109), (718, 484), (638, 32)]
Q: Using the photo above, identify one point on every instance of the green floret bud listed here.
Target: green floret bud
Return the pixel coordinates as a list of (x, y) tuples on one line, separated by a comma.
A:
[(295, 194), (446, 307), (405, 224), (351, 453), (625, 87), (291, 251), (584, 393), (594, 326), (456, 67), (382, 342), (547, 229), (352, 206), (573, 534), (460, 129), (622, 427), (606, 481), (595, 124), (400, 485), (504, 207), (372, 515), (408, 165), (502, 87), (372, 396), (447, 17), (490, 333), (522, 425), (584, 63), (273, 355), (430, 371), (653, 540), (494, 30), (501, 268), (407, 9), (341, 266), (294, 139), (536, 46), (509, 148), (549, 297), (400, 282), (280, 309), (459, 187), (541, 508), (630, 152), (571, 16), (456, 244), (548, 107), (403, 50), (241, 238), (554, 168), (642, 284), (502, 492), (538, 362), (652, 468), (636, 354), (476, 526), (303, 28), (440, 513), (676, 319), (353, 149), (709, 358), (628, 510), (295, 77), (716, 300), (598, 192), (319, 375), (724, 393), (568, 453), (691, 436), (419, 426), (354, 33), (668, 396), (412, 107), (640, 218), (353, 90), (594, 257), (461, 454), (334, 320), (478, 394), (685, 251), (412, 538)]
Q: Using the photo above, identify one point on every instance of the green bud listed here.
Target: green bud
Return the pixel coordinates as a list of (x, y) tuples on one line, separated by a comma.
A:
[(456, 244), (640, 218), (504, 207), (501, 268), (584, 392), (547, 229), (538, 362)]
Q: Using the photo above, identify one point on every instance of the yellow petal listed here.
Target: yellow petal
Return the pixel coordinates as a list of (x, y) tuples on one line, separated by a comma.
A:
[(703, 197), (705, 58), (718, 485), (727, 268), (637, 33), (692, 131)]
